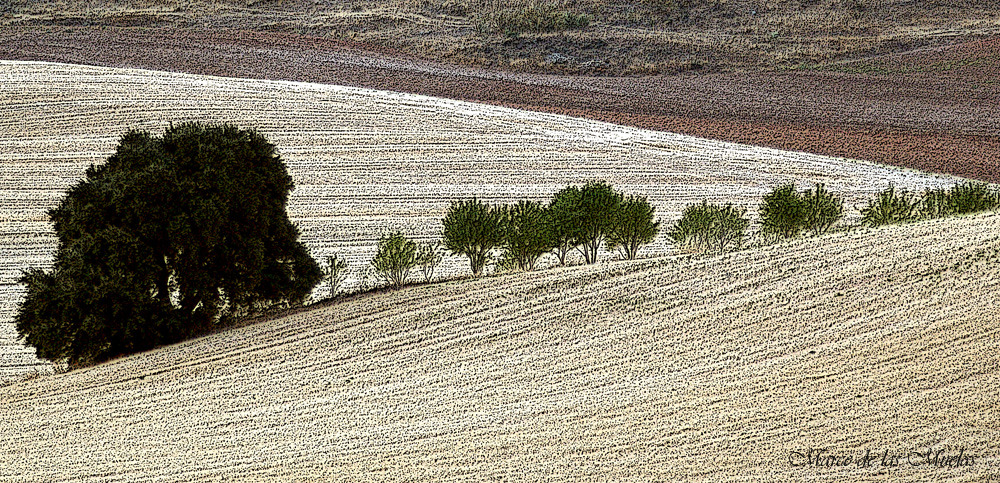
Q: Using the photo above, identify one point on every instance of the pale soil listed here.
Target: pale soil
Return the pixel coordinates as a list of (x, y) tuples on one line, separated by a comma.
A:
[(930, 109), (366, 162), (672, 369)]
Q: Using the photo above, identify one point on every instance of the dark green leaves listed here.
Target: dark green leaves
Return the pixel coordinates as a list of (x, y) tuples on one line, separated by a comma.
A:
[(161, 241)]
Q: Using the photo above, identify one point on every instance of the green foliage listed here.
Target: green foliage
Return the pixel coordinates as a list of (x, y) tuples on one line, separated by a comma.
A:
[(822, 210), (971, 197), (964, 198), (527, 234), (889, 207), (334, 273), (598, 204), (582, 218), (632, 226), (564, 219), (783, 212), (530, 17), (172, 234), (710, 228), (473, 228), (395, 258), (429, 256), (934, 203)]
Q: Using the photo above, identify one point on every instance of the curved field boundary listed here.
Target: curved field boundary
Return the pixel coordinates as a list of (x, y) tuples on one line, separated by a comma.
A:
[(366, 162), (934, 109)]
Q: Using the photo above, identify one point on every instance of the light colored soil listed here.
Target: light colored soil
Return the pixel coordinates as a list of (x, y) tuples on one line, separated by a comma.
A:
[(931, 109), (365, 162), (673, 369)]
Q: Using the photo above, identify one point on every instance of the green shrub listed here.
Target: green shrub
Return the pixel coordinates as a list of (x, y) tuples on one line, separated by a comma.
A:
[(890, 206), (971, 197), (582, 218), (395, 258), (964, 198), (632, 226), (563, 218), (527, 234), (783, 212), (530, 17), (710, 228), (822, 210), (473, 228), (428, 258), (934, 203)]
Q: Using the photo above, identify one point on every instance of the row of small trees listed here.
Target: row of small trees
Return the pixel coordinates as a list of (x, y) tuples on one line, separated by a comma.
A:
[(786, 213), (901, 206), (577, 218)]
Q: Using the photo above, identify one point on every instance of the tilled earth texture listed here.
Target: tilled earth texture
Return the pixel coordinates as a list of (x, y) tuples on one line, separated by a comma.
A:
[(936, 108), (878, 342), (368, 162)]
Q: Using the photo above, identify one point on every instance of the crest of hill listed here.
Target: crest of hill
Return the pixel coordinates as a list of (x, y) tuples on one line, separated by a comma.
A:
[(676, 368)]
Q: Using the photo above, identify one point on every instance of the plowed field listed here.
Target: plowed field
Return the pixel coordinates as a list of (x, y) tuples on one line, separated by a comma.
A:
[(366, 162), (934, 109), (723, 369)]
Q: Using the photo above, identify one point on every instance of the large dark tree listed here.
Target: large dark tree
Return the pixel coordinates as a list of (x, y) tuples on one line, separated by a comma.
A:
[(159, 243)]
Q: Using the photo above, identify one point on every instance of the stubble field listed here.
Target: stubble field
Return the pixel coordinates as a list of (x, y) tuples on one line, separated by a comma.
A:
[(366, 162)]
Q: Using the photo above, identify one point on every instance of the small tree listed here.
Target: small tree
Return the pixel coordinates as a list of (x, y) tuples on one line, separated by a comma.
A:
[(473, 228), (598, 204), (527, 234), (564, 216), (822, 210), (395, 258), (334, 273), (428, 258), (783, 212), (710, 228), (971, 197), (632, 226)]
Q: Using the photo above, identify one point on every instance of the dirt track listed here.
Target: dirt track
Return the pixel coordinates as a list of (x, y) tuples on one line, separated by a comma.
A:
[(936, 110)]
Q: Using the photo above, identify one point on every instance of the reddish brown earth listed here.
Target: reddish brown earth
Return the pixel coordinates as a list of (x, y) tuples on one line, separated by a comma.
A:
[(935, 109)]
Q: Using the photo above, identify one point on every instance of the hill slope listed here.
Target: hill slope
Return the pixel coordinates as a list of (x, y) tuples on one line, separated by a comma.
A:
[(671, 369), (366, 162)]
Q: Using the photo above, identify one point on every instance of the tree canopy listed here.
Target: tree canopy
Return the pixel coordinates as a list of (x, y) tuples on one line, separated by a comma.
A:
[(632, 226), (583, 217), (473, 228), (171, 234)]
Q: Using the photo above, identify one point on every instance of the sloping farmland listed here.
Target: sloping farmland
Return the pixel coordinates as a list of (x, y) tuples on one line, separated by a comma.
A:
[(670, 369), (365, 162)]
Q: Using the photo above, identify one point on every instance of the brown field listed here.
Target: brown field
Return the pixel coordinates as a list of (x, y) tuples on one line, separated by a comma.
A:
[(621, 37), (674, 369), (366, 162), (935, 109)]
